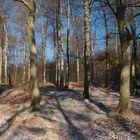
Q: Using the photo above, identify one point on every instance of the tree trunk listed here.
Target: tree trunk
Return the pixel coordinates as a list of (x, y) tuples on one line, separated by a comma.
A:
[(107, 41), (77, 61), (5, 52), (0, 61), (35, 103), (134, 72), (24, 58), (16, 63), (29, 72), (55, 51), (124, 102), (44, 50), (60, 46), (31, 5), (87, 49), (68, 45), (58, 51)]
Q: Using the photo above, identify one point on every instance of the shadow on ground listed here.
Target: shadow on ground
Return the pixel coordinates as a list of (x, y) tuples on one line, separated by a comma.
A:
[(4, 87), (6, 126), (58, 96)]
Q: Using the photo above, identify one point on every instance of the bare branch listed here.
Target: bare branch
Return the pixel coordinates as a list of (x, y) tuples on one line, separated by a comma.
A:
[(138, 14), (113, 10), (26, 3)]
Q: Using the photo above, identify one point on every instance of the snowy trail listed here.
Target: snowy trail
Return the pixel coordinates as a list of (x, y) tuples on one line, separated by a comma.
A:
[(64, 116)]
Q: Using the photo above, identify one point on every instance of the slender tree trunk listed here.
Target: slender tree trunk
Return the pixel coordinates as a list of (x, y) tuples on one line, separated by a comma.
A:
[(44, 50), (16, 64), (55, 50), (60, 45), (24, 58), (58, 51), (93, 56), (0, 61), (87, 49), (68, 45), (6, 51), (117, 54), (107, 41), (29, 72), (77, 60), (134, 66)]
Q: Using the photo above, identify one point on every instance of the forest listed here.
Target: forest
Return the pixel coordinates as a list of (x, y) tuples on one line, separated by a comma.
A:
[(69, 70)]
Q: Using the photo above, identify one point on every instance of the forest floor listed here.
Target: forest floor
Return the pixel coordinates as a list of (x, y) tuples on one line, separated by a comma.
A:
[(66, 116)]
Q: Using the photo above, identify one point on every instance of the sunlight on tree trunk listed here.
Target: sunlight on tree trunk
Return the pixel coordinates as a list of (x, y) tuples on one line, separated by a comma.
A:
[(33, 63), (124, 103), (0, 61), (77, 61), (24, 58), (44, 50), (87, 49), (5, 51), (35, 103)]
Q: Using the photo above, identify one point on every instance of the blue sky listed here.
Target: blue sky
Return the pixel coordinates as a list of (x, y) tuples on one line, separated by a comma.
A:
[(100, 33)]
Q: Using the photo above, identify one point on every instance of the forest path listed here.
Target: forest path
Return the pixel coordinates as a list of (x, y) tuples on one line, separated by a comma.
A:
[(65, 116)]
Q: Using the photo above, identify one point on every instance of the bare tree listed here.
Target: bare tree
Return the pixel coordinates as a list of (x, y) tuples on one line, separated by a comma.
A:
[(107, 45), (60, 47), (44, 26), (125, 42), (5, 27), (87, 49), (31, 6), (68, 45)]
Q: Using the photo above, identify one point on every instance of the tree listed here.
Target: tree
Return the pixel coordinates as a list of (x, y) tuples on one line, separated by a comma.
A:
[(44, 26), (87, 49), (125, 42), (60, 47), (107, 44), (68, 45), (6, 42), (31, 6), (1, 49)]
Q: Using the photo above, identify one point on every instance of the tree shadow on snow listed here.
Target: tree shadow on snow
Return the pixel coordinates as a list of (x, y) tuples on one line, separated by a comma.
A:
[(6, 126), (73, 131), (62, 94), (102, 107)]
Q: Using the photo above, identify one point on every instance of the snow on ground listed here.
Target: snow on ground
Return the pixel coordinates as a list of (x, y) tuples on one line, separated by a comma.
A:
[(66, 116)]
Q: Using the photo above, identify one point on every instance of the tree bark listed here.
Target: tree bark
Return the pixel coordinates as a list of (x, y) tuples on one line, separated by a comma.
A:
[(31, 5), (58, 51), (87, 49), (16, 63), (35, 104), (60, 45), (0, 61), (24, 58), (55, 50), (5, 51), (77, 60), (124, 102), (107, 42), (44, 50), (134, 66), (68, 46)]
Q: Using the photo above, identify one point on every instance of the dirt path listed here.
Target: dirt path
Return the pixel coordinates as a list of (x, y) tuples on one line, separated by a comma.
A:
[(65, 116)]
